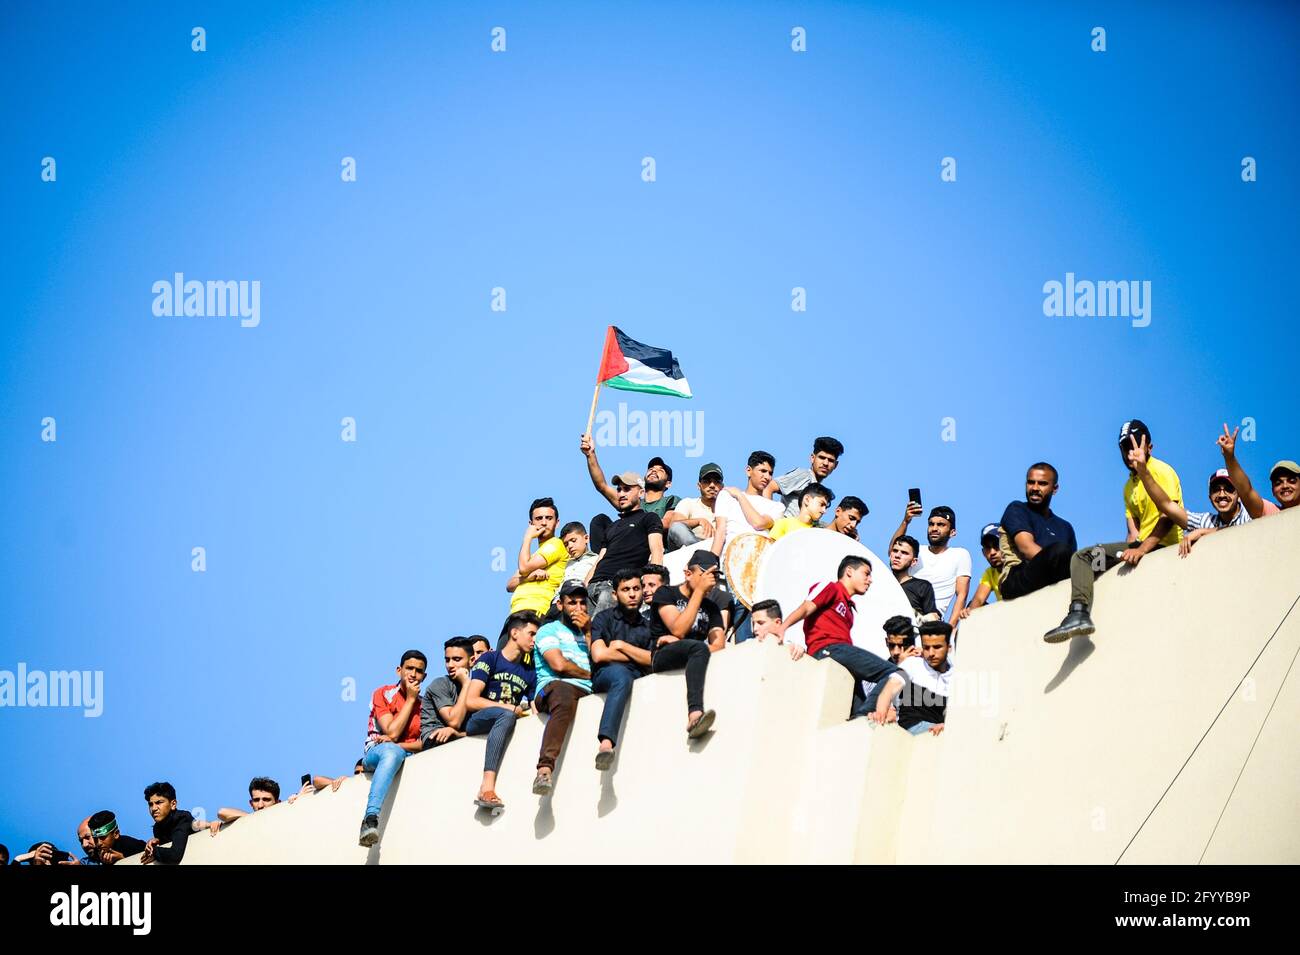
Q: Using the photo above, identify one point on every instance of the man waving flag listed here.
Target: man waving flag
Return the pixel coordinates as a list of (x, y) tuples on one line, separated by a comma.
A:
[(629, 365)]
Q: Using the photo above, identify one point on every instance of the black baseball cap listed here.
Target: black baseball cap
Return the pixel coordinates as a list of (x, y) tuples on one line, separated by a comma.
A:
[(710, 468), (990, 532), (572, 586), (1134, 428), (703, 559), (662, 463), (944, 511)]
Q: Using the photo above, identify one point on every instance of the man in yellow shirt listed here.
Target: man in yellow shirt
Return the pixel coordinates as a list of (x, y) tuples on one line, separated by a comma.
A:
[(540, 574), (813, 501), (1147, 530)]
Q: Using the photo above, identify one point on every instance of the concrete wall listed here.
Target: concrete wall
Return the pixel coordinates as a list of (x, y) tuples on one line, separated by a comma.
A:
[(1171, 736)]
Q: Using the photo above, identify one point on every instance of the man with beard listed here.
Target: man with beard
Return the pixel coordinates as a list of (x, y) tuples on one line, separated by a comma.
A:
[(696, 514), (946, 568), (1036, 544), (825, 458), (655, 500), (563, 665), (634, 540)]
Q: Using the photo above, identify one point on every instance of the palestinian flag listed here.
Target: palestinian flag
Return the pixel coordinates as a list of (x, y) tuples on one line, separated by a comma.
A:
[(631, 366)]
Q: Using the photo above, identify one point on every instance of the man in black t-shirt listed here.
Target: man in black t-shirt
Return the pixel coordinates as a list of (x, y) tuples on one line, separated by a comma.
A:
[(169, 825), (110, 845), (685, 628), (920, 593), (631, 542)]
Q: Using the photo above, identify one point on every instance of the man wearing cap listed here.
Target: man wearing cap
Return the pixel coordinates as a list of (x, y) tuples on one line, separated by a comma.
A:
[(685, 628), (658, 478), (634, 540), (563, 663), (110, 845), (989, 584), (1284, 476), (692, 520), (1147, 530), (1227, 512), (946, 568), (1036, 544)]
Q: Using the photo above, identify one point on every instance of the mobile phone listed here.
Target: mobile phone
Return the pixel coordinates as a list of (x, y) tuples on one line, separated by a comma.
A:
[(58, 855), (914, 495), (306, 778)]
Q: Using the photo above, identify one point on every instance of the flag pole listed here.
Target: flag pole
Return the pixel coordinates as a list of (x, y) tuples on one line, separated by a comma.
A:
[(595, 396)]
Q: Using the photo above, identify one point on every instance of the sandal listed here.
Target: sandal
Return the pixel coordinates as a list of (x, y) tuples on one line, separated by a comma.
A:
[(701, 725), (489, 800)]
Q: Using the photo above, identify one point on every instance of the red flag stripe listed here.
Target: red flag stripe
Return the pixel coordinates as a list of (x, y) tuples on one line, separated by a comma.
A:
[(612, 362)]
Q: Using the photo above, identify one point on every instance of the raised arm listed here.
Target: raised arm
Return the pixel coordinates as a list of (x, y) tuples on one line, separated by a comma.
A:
[(1137, 459), (593, 469), (1250, 499), (913, 510)]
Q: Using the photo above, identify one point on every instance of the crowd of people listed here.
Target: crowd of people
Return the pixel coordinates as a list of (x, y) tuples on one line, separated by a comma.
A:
[(593, 609)]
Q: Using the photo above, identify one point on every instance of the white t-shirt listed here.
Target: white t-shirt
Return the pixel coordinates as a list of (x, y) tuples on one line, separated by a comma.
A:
[(693, 508), (729, 508), (927, 677), (942, 571)]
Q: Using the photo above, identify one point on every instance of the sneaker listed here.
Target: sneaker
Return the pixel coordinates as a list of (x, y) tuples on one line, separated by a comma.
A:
[(543, 784), (369, 831), (1077, 623), (604, 759), (701, 725)]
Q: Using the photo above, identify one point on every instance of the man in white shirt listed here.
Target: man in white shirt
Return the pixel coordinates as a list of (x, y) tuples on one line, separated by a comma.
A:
[(923, 704), (748, 511), (946, 568)]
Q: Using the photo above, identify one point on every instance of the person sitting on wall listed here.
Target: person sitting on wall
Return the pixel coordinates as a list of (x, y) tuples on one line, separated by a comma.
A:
[(443, 709), (1036, 544), (1228, 510), (947, 568), (620, 654), (748, 511), (924, 704), (563, 665), (169, 825), (392, 735), (500, 688), (1147, 530), (582, 560), (686, 627), (538, 576), (263, 793), (828, 617)]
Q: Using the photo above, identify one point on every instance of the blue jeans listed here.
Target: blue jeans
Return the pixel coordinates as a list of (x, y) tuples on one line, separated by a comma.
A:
[(384, 760), (919, 728), (614, 680), (863, 665)]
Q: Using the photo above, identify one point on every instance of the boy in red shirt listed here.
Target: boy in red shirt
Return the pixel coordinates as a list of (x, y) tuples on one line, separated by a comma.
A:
[(828, 620)]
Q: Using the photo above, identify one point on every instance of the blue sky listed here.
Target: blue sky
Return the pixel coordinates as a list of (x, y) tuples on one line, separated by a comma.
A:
[(522, 170)]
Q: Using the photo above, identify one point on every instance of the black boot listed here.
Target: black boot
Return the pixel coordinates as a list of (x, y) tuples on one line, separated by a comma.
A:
[(1077, 623)]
